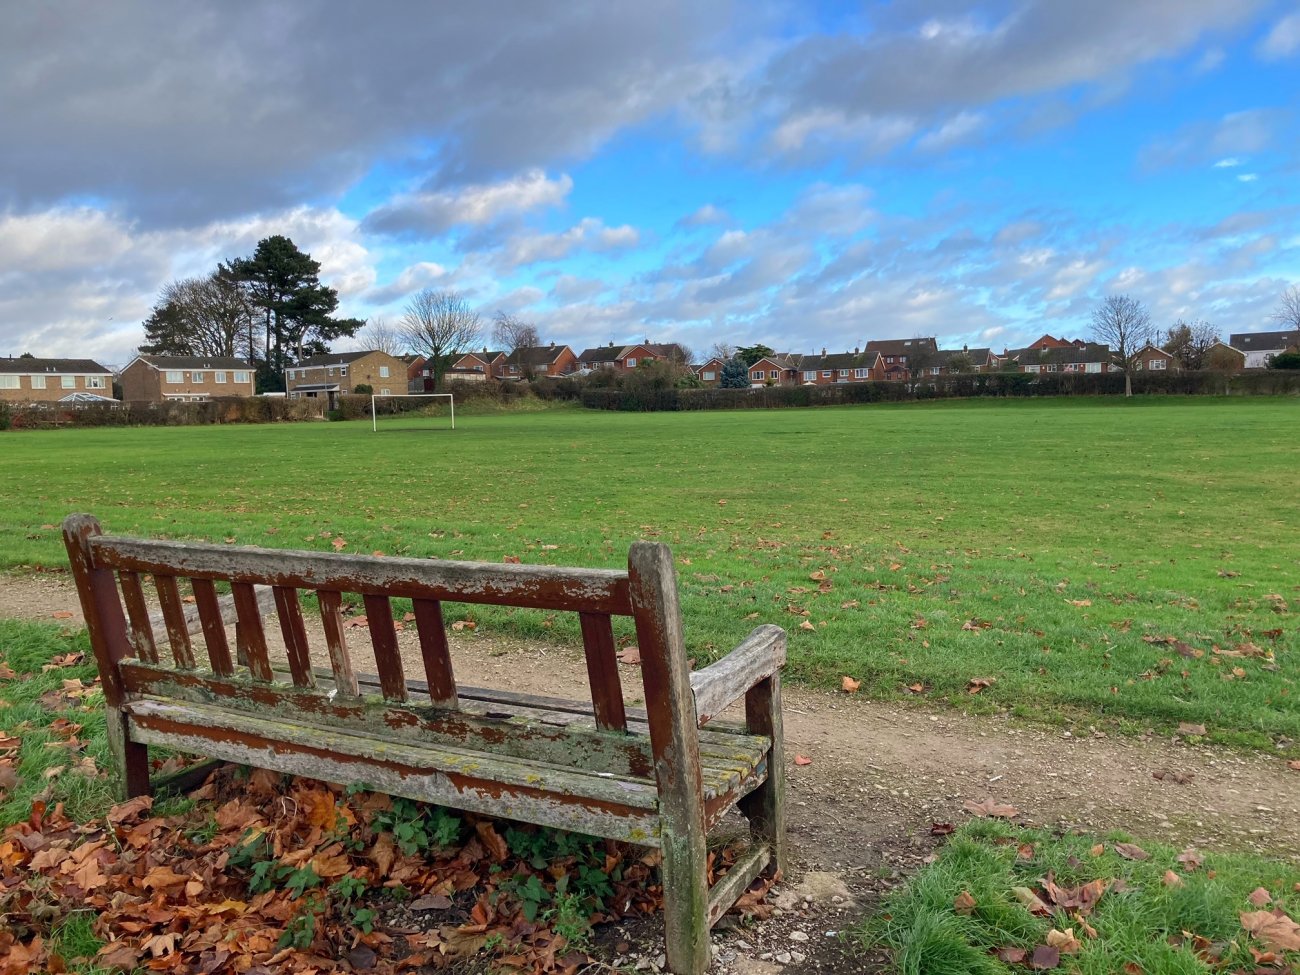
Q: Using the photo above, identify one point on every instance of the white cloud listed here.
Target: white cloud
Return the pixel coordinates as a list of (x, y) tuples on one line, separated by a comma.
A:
[(1229, 163), (957, 130), (1247, 177), (1283, 40), (588, 234), (434, 212)]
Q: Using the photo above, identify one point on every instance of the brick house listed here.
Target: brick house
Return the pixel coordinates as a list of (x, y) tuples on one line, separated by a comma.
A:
[(539, 360), (29, 380), (900, 356), (778, 369), (1151, 359), (491, 363), (981, 360), (1221, 357), (626, 357), (1086, 357), (186, 378), (840, 367), (1050, 342), (332, 373), (1260, 347), (710, 373)]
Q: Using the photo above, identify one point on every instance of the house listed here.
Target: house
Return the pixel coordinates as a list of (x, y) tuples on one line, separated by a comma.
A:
[(30, 380), (528, 362), (710, 373), (186, 378), (1087, 357), (332, 373), (903, 356), (1151, 359), (778, 369), (627, 356), (978, 360), (1221, 357), (1050, 342), (840, 367), (1260, 347), (416, 373), (491, 363)]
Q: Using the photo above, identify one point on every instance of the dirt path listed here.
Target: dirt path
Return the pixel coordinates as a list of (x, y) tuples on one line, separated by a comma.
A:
[(881, 774)]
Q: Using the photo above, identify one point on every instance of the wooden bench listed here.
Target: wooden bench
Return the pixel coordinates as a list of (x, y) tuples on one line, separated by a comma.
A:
[(662, 777)]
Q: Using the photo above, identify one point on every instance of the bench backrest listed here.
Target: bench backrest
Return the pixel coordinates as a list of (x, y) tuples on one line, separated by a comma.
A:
[(111, 571)]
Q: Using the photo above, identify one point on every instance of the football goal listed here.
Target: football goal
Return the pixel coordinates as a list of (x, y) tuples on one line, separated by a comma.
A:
[(411, 404)]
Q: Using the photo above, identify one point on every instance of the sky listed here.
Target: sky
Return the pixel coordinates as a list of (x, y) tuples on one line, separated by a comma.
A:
[(800, 174)]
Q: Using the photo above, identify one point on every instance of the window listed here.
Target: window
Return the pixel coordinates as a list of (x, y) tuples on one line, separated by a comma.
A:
[(708, 375), (383, 372), (1156, 363), (759, 375), (38, 382), (1031, 368), (844, 372), (859, 374), (241, 377), (1050, 367), (68, 382), (8, 382), (196, 377), (384, 391), (1092, 367), (219, 377), (826, 374), (809, 376), (934, 370), (94, 382), (343, 370), (631, 363)]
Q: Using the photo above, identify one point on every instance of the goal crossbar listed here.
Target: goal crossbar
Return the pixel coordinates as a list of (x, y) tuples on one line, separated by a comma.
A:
[(375, 397)]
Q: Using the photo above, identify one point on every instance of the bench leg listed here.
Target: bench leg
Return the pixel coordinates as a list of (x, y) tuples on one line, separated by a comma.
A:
[(686, 903), (131, 758), (765, 806)]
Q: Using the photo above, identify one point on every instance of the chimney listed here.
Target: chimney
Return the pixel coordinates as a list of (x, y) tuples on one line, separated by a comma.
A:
[(823, 350), (855, 350), (963, 348)]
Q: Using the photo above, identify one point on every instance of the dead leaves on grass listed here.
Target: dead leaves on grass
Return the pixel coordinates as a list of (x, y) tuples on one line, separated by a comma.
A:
[(988, 806)]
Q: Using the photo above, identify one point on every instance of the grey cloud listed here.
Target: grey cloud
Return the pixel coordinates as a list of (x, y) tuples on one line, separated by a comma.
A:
[(1200, 143)]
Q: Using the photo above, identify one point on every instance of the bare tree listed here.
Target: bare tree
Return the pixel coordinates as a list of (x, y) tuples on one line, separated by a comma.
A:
[(379, 334), (723, 350), (1188, 342), (1122, 322), (514, 334), (209, 316), (437, 324), (1288, 308)]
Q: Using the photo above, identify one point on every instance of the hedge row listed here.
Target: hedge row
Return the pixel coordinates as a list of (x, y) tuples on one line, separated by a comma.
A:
[(1000, 384), (251, 410)]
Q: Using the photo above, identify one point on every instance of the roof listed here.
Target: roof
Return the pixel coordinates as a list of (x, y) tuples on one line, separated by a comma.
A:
[(603, 353), (79, 366), (903, 346), (332, 359), (782, 360), (193, 362), (977, 356), (611, 353), (90, 399), (839, 360), (536, 355), (316, 388), (483, 355), (1264, 341), (1092, 352)]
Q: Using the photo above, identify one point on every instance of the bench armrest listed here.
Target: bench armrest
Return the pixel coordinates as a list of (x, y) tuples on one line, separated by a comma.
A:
[(721, 683)]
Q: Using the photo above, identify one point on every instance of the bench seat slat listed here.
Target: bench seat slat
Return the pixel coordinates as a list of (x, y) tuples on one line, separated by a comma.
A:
[(138, 611), (457, 777), (331, 618), (214, 630), (173, 610), (293, 630), (248, 628)]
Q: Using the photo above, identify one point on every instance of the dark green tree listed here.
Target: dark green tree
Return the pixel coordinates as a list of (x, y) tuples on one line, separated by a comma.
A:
[(750, 354), (735, 373), (1285, 360), (295, 309)]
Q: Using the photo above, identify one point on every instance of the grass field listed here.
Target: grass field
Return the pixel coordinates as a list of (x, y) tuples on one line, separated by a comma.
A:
[(1034, 543)]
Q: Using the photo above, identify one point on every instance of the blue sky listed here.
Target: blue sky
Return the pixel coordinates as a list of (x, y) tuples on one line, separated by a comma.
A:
[(799, 175)]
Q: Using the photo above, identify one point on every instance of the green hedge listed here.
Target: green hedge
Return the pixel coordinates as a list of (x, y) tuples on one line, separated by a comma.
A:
[(998, 384), (255, 409)]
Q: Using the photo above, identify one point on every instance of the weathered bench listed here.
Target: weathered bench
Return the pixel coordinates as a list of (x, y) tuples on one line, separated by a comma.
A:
[(662, 777)]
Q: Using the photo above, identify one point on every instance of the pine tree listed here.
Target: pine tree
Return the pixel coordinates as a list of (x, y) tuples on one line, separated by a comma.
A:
[(735, 374)]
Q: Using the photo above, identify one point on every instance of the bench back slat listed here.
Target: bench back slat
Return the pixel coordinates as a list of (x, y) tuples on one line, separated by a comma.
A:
[(436, 653), (214, 630), (602, 671), (331, 617), (293, 629), (178, 630), (138, 611), (529, 586), (250, 632), (388, 658)]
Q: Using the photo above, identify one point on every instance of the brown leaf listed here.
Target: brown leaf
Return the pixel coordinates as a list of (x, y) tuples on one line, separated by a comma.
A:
[(131, 809), (1181, 778), (510, 559), (802, 760), (630, 655), (1189, 730), (160, 878), (61, 614), (492, 841), (1172, 879), (1063, 941), (1012, 956), (1294, 766), (431, 902), (848, 685), (1131, 851), (1044, 957), (988, 806), (383, 853), (1080, 602), (977, 684), (464, 625), (1097, 850), (1259, 897), (1031, 901), (806, 625), (964, 903), (942, 829), (1276, 929), (1190, 859)]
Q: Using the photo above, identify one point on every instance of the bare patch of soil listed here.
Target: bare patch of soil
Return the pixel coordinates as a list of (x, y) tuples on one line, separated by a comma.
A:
[(881, 775)]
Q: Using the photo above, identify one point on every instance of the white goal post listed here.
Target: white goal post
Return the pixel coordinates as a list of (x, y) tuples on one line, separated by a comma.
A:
[(374, 397)]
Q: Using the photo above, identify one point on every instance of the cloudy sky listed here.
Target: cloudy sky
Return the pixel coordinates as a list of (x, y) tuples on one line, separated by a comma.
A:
[(799, 174)]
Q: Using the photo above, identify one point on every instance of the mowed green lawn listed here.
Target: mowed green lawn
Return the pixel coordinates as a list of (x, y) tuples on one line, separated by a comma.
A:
[(923, 545)]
